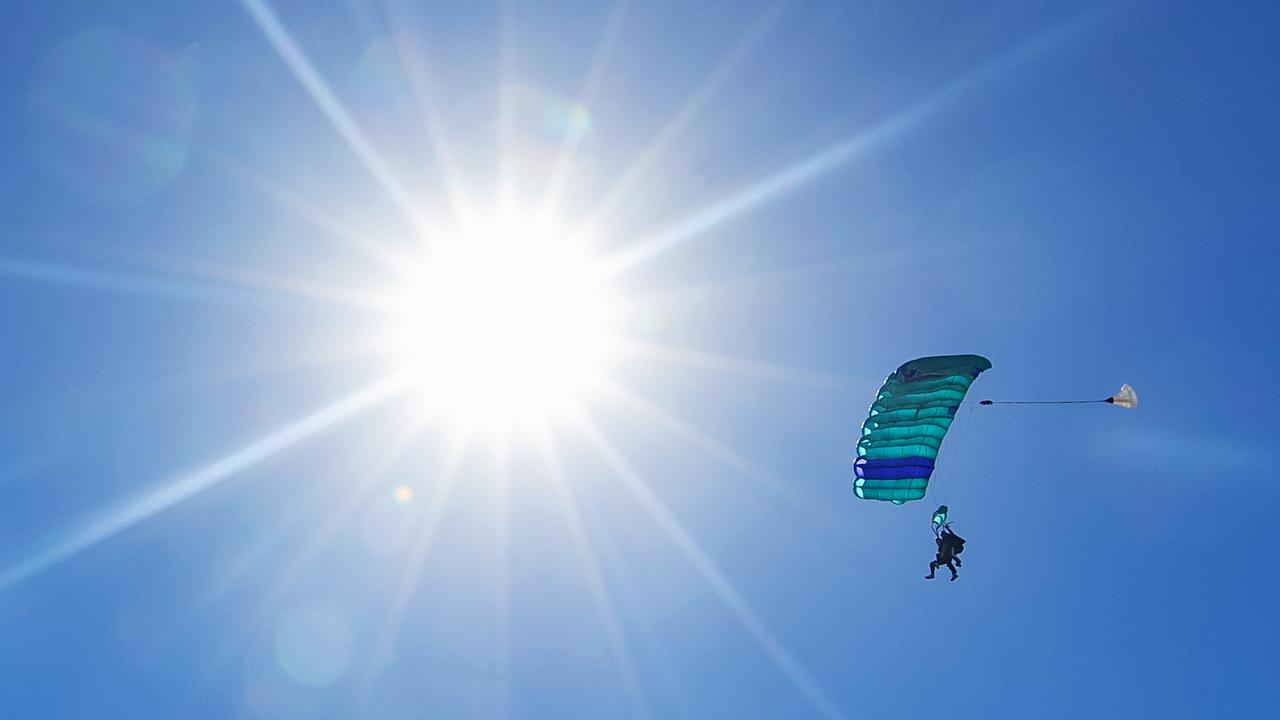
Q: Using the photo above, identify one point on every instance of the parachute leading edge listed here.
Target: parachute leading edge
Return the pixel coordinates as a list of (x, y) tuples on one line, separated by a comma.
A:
[(907, 422)]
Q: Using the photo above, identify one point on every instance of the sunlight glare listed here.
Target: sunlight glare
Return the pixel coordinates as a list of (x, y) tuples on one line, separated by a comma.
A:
[(506, 320)]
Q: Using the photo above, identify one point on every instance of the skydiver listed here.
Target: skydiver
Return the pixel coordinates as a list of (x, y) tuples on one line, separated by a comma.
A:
[(946, 555)]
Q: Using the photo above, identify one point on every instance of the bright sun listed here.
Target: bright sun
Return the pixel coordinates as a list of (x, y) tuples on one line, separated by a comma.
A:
[(506, 319)]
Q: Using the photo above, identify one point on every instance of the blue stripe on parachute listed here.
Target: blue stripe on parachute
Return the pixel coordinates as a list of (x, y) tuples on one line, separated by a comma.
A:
[(893, 469)]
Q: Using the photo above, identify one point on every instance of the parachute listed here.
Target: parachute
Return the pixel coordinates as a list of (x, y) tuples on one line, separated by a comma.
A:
[(906, 424), (1127, 398), (939, 517)]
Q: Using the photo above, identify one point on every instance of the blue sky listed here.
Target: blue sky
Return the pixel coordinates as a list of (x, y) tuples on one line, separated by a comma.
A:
[(215, 505)]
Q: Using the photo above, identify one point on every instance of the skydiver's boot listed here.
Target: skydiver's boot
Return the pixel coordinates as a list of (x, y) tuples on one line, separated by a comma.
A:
[(954, 575), (933, 567)]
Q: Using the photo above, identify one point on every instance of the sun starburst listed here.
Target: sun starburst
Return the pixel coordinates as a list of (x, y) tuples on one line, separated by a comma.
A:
[(505, 319)]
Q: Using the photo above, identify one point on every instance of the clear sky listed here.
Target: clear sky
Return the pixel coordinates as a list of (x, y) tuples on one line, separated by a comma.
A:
[(473, 360)]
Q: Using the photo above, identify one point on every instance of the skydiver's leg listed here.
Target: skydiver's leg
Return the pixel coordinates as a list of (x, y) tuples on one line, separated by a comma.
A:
[(933, 567), (954, 574)]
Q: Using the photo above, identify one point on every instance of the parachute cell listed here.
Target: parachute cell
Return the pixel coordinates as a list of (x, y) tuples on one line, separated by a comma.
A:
[(907, 422)]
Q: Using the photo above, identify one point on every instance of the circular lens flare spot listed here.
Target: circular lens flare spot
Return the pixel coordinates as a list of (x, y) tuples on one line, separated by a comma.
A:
[(313, 647)]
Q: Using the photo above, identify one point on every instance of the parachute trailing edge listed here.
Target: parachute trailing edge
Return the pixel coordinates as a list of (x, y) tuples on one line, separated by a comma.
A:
[(906, 424)]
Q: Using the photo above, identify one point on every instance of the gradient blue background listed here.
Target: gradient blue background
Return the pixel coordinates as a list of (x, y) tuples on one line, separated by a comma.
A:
[(1087, 196)]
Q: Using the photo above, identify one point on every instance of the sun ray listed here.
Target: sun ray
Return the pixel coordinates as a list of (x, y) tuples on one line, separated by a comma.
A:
[(415, 72), (185, 486), (714, 449), (282, 285), (355, 495), (440, 494), (279, 363), (715, 579), (424, 536), (502, 565), (99, 392), (808, 274), (337, 115), (459, 200), (563, 165), (231, 647), (838, 155), (641, 621), (125, 283), (591, 567), (702, 360), (310, 212), (505, 115), (683, 116)]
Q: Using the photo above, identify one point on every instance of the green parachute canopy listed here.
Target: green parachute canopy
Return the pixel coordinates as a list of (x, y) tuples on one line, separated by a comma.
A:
[(939, 517), (904, 430)]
